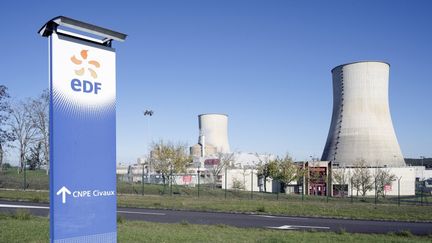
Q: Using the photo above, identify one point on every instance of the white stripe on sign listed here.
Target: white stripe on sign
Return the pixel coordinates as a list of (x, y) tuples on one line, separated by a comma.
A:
[(143, 213), (22, 206), (294, 227)]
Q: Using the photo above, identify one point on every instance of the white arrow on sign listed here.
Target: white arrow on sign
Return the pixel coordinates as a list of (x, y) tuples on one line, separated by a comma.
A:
[(63, 191)]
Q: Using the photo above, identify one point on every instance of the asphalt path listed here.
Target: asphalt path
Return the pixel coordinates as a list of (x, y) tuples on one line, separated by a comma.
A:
[(245, 220)]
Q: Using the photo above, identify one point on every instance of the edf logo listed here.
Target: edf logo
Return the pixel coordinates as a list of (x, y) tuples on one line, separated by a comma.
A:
[(84, 65)]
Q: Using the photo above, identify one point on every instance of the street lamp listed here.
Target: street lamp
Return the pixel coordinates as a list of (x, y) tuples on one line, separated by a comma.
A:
[(198, 171), (226, 184), (251, 183), (399, 179), (171, 177), (422, 158), (142, 180), (150, 114), (303, 180), (25, 176), (146, 113)]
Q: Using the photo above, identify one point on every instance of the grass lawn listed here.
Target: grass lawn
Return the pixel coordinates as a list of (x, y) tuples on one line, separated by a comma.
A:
[(22, 227), (28, 196), (293, 207), (35, 179), (283, 207)]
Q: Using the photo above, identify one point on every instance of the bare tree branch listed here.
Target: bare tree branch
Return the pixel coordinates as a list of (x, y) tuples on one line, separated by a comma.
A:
[(23, 129)]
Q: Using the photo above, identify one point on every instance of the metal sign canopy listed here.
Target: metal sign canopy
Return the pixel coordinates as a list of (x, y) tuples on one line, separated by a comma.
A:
[(61, 21)]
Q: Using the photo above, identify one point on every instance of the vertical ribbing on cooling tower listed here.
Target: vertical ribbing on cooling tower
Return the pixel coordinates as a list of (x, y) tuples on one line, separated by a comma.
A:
[(339, 118), (330, 151), (361, 127)]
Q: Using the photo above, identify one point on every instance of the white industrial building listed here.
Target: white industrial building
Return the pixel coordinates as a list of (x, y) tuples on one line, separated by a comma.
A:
[(247, 180), (405, 177), (238, 161), (422, 173), (250, 160), (122, 169)]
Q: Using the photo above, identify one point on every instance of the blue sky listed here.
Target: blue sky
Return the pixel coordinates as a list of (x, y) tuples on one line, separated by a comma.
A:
[(264, 63)]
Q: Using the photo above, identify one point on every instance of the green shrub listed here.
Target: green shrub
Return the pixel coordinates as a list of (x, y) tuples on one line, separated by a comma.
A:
[(261, 209), (120, 219), (404, 233), (341, 231), (184, 222)]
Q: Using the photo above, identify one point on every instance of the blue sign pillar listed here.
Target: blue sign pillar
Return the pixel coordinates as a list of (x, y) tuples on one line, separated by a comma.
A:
[(82, 132)]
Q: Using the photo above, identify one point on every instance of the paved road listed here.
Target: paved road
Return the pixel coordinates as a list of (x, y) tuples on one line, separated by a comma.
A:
[(245, 220)]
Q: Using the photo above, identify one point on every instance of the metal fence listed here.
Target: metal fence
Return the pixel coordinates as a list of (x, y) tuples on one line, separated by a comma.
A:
[(153, 185), (192, 185)]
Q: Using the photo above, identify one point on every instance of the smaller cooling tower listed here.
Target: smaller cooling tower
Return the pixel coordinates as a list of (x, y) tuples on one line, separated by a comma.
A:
[(214, 129)]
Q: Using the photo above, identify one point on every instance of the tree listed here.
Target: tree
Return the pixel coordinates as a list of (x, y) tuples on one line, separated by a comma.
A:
[(40, 118), (355, 184), (23, 129), (286, 171), (340, 177), (6, 166), (362, 178), (223, 160), (168, 158), (382, 178), (6, 136), (266, 168), (237, 184), (34, 161)]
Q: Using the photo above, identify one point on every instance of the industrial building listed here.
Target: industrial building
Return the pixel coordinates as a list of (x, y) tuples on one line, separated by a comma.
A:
[(213, 146), (404, 183), (361, 130), (361, 126), (247, 180), (322, 179)]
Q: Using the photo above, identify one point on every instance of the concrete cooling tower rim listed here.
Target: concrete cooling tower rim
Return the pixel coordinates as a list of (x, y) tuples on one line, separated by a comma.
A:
[(210, 114), (349, 63)]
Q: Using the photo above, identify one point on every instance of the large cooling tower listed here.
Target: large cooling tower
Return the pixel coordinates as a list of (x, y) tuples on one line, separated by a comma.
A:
[(361, 126), (214, 131)]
